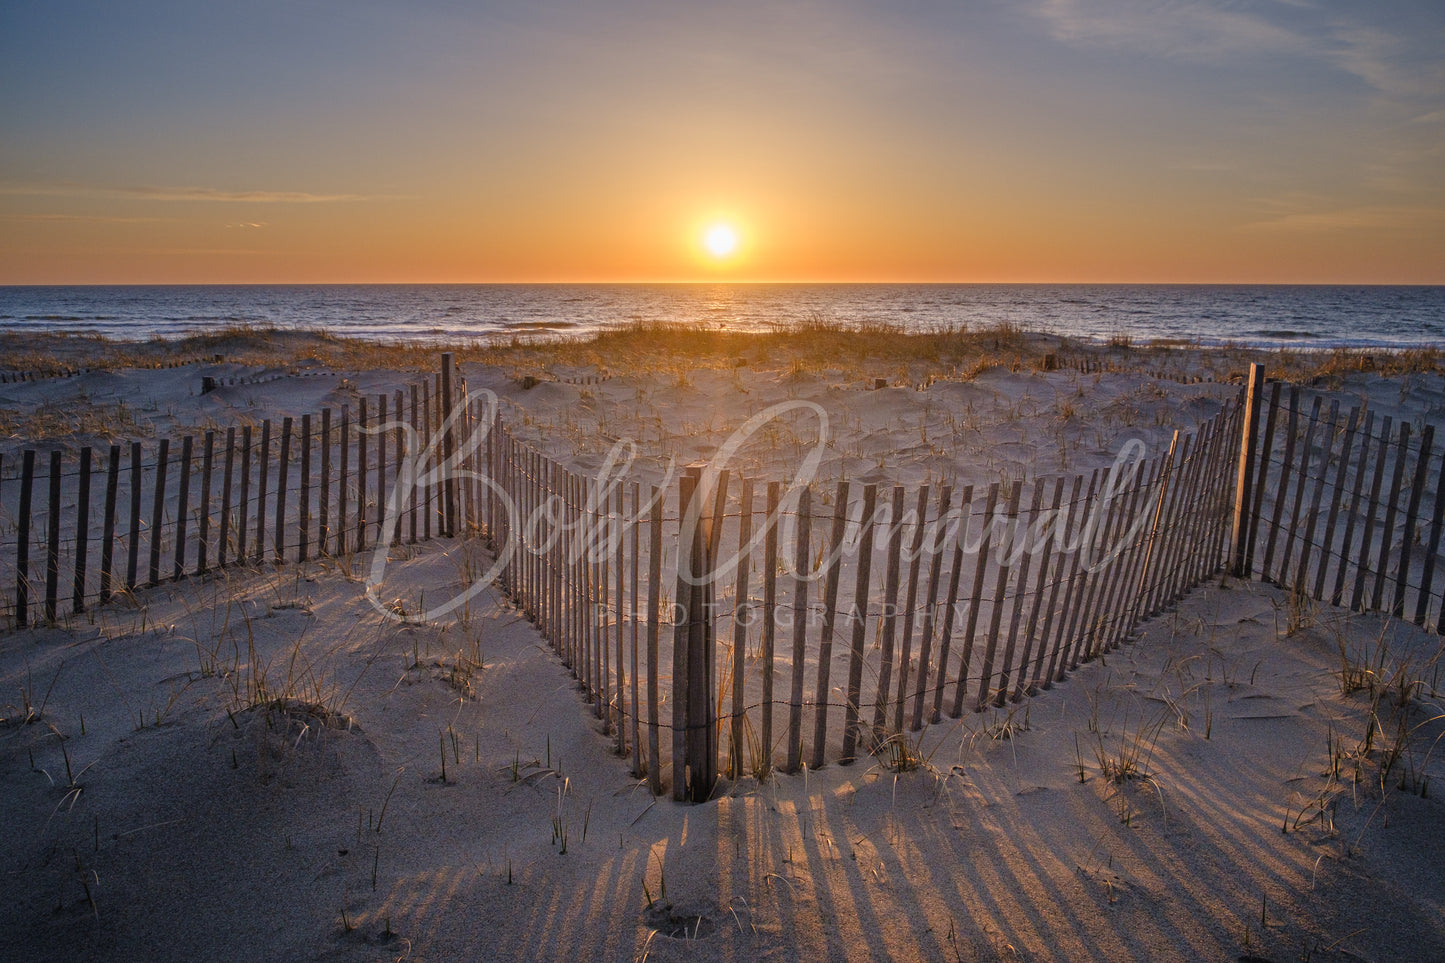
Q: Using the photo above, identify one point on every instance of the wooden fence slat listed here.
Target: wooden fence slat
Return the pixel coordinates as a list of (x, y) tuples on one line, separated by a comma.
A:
[(1412, 514), (420, 441), (1200, 557), (1182, 510), (52, 541), (323, 488), (1281, 490), (925, 637), (634, 528), (619, 663), (830, 614), (262, 490), (975, 599), (1432, 548), (910, 599), (132, 562), (303, 495), (1124, 590), (1367, 539), (1074, 597), (802, 575), (1124, 550), (1327, 448), (1028, 671), (223, 531), (740, 624), (859, 616), (1186, 490), (343, 480), (1240, 547), (1235, 427), (362, 474), (596, 604), (1341, 473), (557, 606), (444, 423), (1387, 536), (158, 506), (1219, 549), (1050, 650), (242, 523), (1347, 544), (381, 421), (183, 507), (208, 464), (1149, 579), (1095, 581), (426, 444), (1303, 473), (107, 535), (283, 484), (1000, 592), (654, 602), (1023, 532), (581, 653), (770, 620), (1263, 473), (22, 545), (688, 552), (82, 532), (1205, 556), (1083, 512), (890, 612), (398, 446)]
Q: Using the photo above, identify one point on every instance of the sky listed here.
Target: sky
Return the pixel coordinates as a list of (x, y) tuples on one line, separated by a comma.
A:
[(1276, 141)]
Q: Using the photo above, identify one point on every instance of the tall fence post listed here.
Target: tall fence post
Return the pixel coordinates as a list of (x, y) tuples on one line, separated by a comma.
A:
[(449, 485), (1242, 549), (694, 645)]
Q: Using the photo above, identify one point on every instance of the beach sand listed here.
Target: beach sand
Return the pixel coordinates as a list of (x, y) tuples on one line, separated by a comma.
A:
[(249, 766)]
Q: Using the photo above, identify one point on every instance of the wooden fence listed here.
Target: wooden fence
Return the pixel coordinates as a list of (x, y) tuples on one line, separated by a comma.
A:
[(721, 626), (76, 531), (1346, 506), (809, 626)]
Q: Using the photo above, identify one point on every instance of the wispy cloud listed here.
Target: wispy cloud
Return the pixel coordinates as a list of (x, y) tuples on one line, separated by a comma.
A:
[(1389, 63), (1396, 63), (203, 194), (1363, 217), (1197, 31), (84, 218)]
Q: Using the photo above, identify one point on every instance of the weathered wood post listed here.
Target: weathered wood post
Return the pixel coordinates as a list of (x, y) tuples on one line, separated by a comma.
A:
[(52, 541), (694, 644), (449, 484), (1242, 550), (22, 547)]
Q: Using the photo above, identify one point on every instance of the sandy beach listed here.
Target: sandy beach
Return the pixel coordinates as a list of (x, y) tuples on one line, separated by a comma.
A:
[(257, 765)]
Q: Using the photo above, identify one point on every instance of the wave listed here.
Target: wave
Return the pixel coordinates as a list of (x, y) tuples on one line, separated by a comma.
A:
[(1285, 334)]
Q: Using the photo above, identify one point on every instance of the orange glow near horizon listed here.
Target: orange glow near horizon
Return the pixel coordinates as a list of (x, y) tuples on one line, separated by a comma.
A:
[(1033, 143)]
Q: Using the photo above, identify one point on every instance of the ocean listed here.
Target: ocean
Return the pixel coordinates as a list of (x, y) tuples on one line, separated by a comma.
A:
[(1317, 316)]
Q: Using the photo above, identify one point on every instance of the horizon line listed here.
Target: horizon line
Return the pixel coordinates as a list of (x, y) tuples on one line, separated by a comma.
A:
[(715, 281)]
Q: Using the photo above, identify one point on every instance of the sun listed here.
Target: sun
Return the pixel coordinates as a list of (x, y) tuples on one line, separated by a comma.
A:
[(721, 240)]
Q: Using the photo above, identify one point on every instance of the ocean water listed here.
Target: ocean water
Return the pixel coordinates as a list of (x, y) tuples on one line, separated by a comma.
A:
[(1270, 315)]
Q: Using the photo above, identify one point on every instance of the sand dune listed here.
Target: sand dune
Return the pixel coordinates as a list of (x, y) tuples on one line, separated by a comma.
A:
[(258, 765)]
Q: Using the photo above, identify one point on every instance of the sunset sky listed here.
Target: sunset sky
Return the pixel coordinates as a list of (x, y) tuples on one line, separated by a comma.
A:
[(972, 140)]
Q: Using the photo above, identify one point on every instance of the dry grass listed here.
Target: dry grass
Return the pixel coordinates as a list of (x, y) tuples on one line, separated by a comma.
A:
[(870, 349), (84, 424)]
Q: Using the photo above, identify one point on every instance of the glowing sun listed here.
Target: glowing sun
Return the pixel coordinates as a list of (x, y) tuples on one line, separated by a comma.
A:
[(721, 240)]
